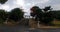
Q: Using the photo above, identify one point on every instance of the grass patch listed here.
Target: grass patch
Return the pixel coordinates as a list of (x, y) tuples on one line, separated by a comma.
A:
[(56, 22)]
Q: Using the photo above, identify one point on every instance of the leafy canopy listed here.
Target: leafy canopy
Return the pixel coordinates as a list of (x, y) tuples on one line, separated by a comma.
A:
[(3, 1)]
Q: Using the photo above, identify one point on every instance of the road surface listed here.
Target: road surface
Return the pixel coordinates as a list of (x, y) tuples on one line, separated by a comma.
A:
[(22, 28)]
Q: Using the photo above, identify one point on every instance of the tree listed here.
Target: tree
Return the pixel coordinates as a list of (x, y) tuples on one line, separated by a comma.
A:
[(2, 15), (48, 16), (44, 17), (3, 1), (57, 15), (16, 14), (36, 12), (47, 8)]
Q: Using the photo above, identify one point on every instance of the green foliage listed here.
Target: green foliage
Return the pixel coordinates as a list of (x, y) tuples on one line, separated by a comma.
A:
[(47, 8), (16, 14), (3, 1), (43, 16), (35, 10), (47, 17), (57, 15), (2, 15)]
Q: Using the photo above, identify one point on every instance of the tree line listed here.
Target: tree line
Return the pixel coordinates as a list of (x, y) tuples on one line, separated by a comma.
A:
[(45, 15), (16, 14)]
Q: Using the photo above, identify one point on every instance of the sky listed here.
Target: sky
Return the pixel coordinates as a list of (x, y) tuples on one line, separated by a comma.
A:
[(27, 4)]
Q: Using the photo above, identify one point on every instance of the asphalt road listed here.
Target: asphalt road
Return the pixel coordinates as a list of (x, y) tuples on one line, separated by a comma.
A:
[(21, 28), (13, 28), (45, 30)]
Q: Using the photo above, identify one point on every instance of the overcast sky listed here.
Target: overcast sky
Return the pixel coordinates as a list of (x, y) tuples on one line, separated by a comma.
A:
[(27, 4)]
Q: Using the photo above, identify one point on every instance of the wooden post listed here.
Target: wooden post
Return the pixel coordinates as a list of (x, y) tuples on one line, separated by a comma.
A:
[(38, 23)]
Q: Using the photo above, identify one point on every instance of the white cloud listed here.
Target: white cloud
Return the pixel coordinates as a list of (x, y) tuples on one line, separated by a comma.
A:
[(56, 7), (38, 1), (5, 7), (19, 2), (44, 1)]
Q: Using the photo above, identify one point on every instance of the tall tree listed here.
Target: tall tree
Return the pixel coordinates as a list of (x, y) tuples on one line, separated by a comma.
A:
[(36, 12), (16, 14), (44, 17), (2, 15), (47, 16)]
